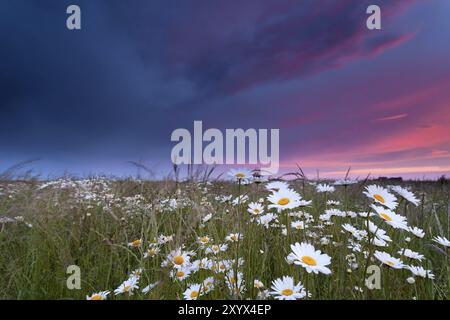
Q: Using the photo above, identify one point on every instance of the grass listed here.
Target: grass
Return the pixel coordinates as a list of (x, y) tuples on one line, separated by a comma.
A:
[(89, 223)]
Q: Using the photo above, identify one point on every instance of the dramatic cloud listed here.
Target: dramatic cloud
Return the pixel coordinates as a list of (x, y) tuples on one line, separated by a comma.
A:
[(90, 100)]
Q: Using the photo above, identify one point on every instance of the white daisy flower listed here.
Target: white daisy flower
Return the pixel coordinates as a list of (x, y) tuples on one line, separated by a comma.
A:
[(284, 199), (411, 254), (420, 272), (181, 274), (207, 218), (179, 258), (102, 295), (388, 260), (345, 182), (135, 243), (381, 195), (285, 289), (312, 260), (395, 220), (266, 219), (240, 175), (204, 241), (277, 186), (442, 241), (255, 208), (127, 286), (240, 200), (258, 284), (208, 285), (323, 187), (193, 292), (234, 237), (298, 225), (150, 287), (406, 194), (235, 284), (417, 232), (151, 252), (216, 248)]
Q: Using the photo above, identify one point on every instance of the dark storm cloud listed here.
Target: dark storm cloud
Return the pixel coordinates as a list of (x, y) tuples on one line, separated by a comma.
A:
[(137, 70)]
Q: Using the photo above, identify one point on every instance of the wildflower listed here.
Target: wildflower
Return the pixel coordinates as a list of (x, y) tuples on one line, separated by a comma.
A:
[(235, 284), (417, 232), (277, 186), (420, 272), (381, 195), (299, 225), (208, 285), (442, 241), (181, 274), (127, 286), (207, 218), (395, 220), (322, 188), (388, 260), (239, 200), (102, 295), (150, 287), (312, 260), (215, 249), (255, 208), (193, 292), (284, 199), (203, 241), (258, 284), (135, 243), (240, 175), (411, 254), (345, 182), (178, 258), (234, 237), (151, 252), (284, 289), (266, 219), (406, 194)]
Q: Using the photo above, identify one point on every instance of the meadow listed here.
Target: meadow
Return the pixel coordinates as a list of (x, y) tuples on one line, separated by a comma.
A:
[(242, 237)]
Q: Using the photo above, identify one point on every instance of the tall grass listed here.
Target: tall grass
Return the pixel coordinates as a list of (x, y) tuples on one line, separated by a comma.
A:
[(90, 223)]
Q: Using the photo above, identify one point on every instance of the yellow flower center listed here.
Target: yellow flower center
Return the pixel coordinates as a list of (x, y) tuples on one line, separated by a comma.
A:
[(390, 263), (96, 297), (136, 243), (126, 288), (178, 260), (222, 267), (194, 294), (180, 274), (204, 239), (287, 292), (240, 175), (385, 216), (283, 201), (379, 198), (215, 248), (234, 237), (310, 261), (255, 211)]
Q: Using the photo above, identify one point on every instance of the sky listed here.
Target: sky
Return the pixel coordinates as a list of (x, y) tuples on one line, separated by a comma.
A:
[(90, 101)]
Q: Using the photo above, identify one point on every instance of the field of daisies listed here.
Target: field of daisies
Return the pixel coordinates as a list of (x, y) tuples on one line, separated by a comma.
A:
[(246, 237)]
